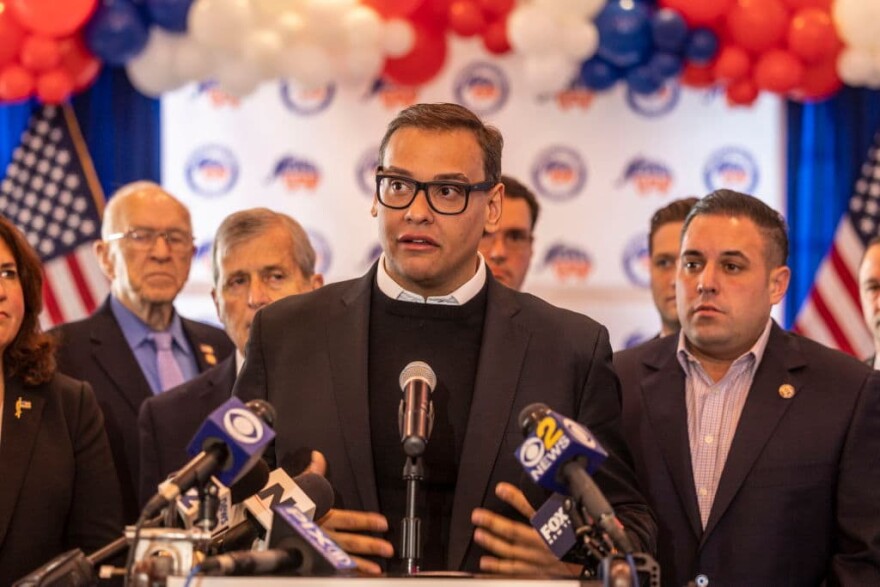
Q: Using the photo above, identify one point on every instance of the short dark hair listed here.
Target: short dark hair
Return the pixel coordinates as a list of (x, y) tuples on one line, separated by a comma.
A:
[(31, 354), (735, 204), (515, 189), (674, 211), (448, 117)]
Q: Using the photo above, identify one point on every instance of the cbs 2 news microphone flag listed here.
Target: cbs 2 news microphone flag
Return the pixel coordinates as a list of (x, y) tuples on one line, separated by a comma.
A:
[(52, 194)]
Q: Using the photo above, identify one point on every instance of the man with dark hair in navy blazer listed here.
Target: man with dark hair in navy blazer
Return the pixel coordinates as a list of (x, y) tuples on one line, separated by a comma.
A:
[(758, 449), (330, 360), (258, 256), (136, 345)]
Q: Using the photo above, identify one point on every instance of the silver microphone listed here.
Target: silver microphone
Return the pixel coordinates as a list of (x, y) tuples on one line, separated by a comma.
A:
[(416, 414)]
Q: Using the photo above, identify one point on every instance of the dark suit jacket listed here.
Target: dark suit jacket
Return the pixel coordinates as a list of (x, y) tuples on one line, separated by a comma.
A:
[(95, 350), (168, 421), (308, 356), (797, 502), (58, 488)]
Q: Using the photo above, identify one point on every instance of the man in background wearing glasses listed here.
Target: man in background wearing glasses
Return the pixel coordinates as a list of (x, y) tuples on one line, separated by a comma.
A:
[(330, 361), (508, 251), (136, 345)]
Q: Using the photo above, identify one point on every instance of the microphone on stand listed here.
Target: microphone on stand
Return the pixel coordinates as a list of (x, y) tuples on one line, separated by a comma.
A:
[(416, 414)]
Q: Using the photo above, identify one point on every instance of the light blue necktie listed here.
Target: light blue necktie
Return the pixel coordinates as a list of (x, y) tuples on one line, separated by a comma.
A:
[(170, 374)]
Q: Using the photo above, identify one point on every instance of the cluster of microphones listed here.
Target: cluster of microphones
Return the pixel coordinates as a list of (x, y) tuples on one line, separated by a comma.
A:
[(225, 513)]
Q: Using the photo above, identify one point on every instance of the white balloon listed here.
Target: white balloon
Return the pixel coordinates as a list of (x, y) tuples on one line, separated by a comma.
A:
[(291, 26), (571, 9), (237, 77), (398, 38), (363, 27), (580, 40), (533, 31), (358, 66), (547, 74), (858, 22), (151, 72), (268, 11), (219, 23), (854, 66), (262, 48), (307, 63), (192, 62)]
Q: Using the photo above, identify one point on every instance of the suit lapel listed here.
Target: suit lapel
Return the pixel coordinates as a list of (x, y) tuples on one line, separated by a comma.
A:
[(347, 345), (22, 413), (762, 411), (114, 356), (663, 395), (503, 347), (222, 380), (206, 354)]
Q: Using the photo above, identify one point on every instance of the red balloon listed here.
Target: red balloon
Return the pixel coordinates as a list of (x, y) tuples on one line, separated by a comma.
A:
[(51, 17), (742, 93), (497, 7), (423, 62), (698, 76), (16, 83), (466, 18), (798, 4), (79, 62), (778, 71), (39, 53), (732, 63), (820, 82), (812, 36), (433, 14), (11, 37), (758, 25), (699, 12), (393, 8), (54, 87), (495, 37)]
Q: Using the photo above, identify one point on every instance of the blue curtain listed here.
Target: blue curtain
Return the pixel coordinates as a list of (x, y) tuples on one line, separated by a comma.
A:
[(827, 144), (120, 126)]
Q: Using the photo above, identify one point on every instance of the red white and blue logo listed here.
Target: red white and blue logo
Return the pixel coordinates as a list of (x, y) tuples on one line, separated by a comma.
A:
[(296, 174), (637, 261), (732, 168), (568, 263), (306, 102), (647, 176), (211, 170), (217, 97), (365, 171), (577, 96), (559, 173), (660, 103), (482, 87), (390, 95), (323, 253)]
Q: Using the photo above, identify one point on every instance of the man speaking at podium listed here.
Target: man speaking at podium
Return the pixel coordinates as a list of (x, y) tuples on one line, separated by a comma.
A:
[(329, 361)]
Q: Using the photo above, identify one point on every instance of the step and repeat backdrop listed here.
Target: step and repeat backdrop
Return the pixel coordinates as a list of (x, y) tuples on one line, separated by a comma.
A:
[(600, 164)]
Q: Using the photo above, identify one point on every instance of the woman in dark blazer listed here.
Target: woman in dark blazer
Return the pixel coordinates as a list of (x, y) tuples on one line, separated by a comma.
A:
[(58, 488)]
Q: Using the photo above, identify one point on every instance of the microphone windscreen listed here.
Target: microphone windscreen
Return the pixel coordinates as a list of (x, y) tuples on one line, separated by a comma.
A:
[(319, 491), (250, 483), (530, 415), (263, 410)]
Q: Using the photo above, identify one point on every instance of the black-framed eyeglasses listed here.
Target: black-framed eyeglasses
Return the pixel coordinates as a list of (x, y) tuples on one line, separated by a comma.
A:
[(444, 196), (145, 238)]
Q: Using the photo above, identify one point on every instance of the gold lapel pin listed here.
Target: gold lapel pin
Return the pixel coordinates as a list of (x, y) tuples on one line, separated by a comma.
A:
[(208, 354), (21, 404), (787, 391)]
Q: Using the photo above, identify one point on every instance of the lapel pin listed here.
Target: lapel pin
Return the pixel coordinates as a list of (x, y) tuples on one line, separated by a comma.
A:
[(786, 391), (21, 404), (208, 354)]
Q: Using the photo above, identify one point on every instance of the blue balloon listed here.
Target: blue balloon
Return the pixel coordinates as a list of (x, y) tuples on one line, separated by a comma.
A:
[(597, 74), (116, 32), (669, 30), (666, 65), (624, 33), (643, 80), (169, 14), (702, 46)]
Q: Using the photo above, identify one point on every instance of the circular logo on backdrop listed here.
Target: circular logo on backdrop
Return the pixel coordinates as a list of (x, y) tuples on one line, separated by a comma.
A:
[(365, 171), (637, 261), (559, 173), (733, 168), (296, 173), (482, 87), (323, 253), (306, 102), (243, 425), (211, 170), (661, 102)]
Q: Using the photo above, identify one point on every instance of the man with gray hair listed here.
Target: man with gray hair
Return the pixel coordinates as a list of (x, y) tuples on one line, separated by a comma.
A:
[(136, 345), (258, 256)]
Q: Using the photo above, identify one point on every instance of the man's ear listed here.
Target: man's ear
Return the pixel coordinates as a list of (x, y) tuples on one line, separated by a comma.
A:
[(779, 280), (493, 208), (105, 259)]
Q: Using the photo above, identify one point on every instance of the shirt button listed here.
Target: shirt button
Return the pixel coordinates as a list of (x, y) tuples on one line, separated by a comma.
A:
[(703, 492), (702, 581), (709, 439)]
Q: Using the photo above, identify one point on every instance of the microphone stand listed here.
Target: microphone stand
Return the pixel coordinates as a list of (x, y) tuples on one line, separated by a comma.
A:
[(411, 525)]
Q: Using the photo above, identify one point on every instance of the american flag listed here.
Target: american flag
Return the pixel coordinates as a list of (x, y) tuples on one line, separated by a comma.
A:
[(52, 194), (832, 314)]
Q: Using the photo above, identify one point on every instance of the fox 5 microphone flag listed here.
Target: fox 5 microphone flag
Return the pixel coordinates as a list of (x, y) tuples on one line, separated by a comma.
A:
[(832, 313), (51, 192)]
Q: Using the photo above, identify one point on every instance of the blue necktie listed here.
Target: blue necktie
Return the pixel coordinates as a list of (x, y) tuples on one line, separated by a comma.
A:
[(170, 374)]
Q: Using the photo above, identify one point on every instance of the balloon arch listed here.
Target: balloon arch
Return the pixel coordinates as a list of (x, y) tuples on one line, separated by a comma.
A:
[(801, 49)]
